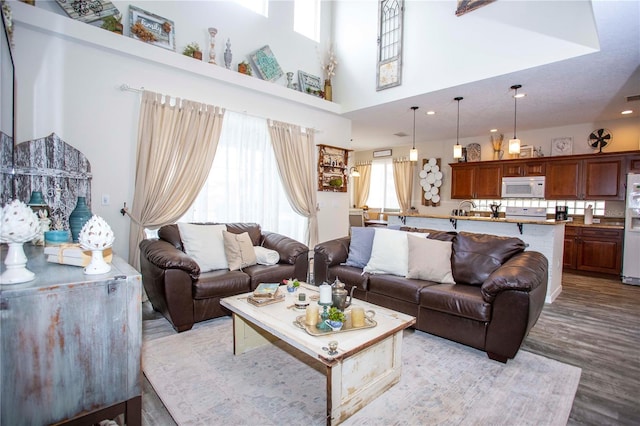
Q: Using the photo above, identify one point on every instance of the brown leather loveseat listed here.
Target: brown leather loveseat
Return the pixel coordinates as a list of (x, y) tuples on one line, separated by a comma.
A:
[(176, 287), (498, 294)]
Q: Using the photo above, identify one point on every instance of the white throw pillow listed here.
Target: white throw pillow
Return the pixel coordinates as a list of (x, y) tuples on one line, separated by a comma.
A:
[(205, 244), (390, 253), (265, 256), (429, 260)]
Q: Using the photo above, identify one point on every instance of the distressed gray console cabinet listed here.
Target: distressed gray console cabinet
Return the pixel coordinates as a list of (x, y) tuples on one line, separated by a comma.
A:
[(70, 344)]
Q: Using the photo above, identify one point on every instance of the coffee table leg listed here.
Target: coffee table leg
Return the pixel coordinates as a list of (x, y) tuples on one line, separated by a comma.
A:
[(357, 380), (247, 336)]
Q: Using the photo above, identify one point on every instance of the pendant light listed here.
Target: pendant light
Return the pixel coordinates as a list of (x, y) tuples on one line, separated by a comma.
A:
[(457, 148), (514, 144), (413, 153)]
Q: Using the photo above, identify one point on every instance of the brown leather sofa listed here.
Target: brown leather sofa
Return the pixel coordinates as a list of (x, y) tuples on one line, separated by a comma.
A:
[(494, 316), (178, 290)]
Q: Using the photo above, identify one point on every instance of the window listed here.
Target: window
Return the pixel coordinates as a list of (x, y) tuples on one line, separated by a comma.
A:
[(244, 185), (258, 6), (382, 190), (389, 67), (306, 18)]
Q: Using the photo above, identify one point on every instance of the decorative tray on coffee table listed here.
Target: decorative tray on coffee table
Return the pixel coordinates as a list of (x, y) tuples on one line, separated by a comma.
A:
[(314, 331)]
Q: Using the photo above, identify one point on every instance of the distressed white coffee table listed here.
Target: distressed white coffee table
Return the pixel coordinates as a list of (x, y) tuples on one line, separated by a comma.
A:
[(367, 363)]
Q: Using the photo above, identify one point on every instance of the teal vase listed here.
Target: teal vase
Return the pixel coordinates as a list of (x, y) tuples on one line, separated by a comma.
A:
[(78, 217)]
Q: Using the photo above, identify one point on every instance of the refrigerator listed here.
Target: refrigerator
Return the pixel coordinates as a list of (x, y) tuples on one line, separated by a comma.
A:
[(631, 253)]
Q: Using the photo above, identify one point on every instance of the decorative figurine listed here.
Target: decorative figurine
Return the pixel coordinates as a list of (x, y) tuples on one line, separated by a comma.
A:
[(228, 55), (290, 80), (212, 45)]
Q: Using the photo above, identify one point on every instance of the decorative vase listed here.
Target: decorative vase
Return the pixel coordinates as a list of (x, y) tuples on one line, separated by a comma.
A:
[(328, 92), (197, 55), (16, 263), (212, 45), (78, 217), (96, 235), (228, 55), (290, 80)]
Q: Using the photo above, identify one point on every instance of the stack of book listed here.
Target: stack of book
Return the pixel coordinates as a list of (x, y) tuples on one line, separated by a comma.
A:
[(73, 254), (266, 294)]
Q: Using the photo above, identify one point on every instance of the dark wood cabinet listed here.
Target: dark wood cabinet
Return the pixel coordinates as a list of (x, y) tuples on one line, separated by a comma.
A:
[(593, 249), (575, 177), (520, 168), (604, 178), (562, 180), (476, 181)]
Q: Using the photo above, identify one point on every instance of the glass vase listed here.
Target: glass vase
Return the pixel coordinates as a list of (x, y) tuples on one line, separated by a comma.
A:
[(78, 217)]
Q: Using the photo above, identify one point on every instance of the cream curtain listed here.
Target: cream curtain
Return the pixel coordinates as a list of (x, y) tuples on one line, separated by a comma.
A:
[(295, 156), (176, 146), (362, 184), (403, 179)]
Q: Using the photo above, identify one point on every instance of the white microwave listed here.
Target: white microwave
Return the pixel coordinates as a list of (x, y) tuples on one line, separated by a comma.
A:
[(523, 187)]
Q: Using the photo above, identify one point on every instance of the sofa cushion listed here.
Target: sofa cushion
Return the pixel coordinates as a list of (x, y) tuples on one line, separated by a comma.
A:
[(204, 243), (360, 246), (476, 256), (429, 260), (400, 288), (456, 299), (390, 253), (253, 229), (238, 250), (221, 283), (348, 274)]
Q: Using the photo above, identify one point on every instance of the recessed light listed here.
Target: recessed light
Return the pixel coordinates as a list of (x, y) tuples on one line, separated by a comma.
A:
[(493, 130), (627, 111), (431, 113)]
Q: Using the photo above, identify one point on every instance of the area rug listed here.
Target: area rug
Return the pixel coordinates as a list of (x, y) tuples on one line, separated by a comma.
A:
[(201, 382)]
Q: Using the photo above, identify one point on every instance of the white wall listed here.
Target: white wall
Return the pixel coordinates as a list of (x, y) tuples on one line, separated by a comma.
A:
[(442, 50), (70, 86)]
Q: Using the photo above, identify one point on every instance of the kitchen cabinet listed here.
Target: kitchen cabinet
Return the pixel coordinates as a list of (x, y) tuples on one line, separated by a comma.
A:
[(519, 168), (71, 345), (593, 249), (572, 177), (476, 181), (585, 179)]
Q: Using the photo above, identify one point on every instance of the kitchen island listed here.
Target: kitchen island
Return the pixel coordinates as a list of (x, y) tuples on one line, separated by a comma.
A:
[(544, 236)]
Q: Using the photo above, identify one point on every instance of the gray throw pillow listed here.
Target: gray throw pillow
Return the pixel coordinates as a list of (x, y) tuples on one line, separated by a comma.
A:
[(360, 246)]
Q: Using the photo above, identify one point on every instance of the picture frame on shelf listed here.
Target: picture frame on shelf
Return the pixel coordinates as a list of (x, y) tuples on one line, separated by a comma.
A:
[(309, 83), (87, 11), (151, 28), (266, 64), (526, 151), (561, 146)]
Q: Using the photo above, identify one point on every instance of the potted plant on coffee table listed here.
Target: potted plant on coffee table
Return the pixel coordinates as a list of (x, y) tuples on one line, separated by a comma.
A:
[(193, 50), (335, 318)]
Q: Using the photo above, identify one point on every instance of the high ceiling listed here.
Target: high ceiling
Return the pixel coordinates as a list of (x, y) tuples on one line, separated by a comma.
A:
[(588, 88)]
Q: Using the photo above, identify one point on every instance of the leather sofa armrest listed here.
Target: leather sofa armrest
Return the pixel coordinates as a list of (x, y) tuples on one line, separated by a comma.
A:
[(288, 248), (525, 271), (329, 253), (164, 255)]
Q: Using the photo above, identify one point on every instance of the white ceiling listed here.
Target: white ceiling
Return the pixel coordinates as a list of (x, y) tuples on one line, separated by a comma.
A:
[(589, 88)]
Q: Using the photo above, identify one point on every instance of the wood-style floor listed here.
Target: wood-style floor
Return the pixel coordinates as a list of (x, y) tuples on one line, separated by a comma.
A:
[(594, 324)]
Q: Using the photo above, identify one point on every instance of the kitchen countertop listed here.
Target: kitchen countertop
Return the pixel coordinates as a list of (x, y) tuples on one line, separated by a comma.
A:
[(597, 225), (485, 219)]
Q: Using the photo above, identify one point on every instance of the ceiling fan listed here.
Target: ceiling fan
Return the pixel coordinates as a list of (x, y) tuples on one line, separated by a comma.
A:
[(600, 138)]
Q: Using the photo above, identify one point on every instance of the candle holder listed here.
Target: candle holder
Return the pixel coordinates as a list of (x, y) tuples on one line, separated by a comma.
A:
[(322, 325)]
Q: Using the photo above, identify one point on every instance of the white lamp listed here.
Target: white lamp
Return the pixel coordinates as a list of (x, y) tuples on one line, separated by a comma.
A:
[(457, 148), (413, 153), (353, 172), (514, 144)]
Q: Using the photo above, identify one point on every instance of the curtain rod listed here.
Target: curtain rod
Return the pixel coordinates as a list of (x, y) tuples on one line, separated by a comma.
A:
[(125, 87)]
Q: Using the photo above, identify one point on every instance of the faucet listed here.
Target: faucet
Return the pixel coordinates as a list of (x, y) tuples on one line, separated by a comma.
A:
[(463, 212)]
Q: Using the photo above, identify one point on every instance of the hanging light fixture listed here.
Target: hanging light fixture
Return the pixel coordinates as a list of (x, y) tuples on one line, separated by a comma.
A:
[(514, 144), (457, 148), (413, 153)]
